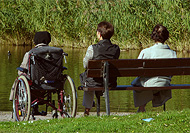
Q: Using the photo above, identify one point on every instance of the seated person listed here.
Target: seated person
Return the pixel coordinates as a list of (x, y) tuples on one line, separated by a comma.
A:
[(104, 49), (41, 39), (159, 50)]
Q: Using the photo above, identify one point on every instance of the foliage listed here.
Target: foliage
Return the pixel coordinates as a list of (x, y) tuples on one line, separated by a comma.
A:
[(73, 23), (172, 121)]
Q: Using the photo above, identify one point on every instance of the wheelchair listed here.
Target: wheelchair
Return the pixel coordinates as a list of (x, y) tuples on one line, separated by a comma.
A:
[(44, 83)]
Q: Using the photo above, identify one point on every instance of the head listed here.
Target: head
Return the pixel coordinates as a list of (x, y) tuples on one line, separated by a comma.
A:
[(42, 37), (105, 29), (160, 33)]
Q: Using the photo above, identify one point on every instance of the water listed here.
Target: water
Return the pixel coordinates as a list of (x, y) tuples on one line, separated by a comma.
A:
[(121, 101)]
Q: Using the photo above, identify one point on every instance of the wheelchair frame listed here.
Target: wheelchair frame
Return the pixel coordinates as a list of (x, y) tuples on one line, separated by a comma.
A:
[(26, 98)]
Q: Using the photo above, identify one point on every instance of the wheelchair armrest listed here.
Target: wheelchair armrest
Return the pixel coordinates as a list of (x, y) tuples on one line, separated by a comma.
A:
[(24, 70), (64, 68)]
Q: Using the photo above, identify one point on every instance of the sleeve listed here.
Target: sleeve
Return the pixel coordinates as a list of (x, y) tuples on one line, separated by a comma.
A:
[(174, 55), (88, 56), (24, 62), (141, 55), (117, 53)]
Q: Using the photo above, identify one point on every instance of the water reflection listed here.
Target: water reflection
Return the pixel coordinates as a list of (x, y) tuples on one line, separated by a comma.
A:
[(119, 100)]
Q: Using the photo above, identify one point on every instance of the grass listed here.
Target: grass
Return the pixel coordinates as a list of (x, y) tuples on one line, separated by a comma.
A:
[(168, 121), (73, 23)]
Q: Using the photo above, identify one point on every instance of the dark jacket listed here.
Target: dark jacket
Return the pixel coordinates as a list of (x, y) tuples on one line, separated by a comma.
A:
[(104, 49)]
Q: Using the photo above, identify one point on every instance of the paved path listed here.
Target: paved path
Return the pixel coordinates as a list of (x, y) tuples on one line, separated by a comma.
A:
[(7, 115)]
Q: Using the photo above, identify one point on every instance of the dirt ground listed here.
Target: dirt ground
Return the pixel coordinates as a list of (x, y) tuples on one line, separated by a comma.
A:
[(7, 115)]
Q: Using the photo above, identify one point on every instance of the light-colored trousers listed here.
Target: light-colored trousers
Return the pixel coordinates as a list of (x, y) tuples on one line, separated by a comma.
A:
[(88, 98)]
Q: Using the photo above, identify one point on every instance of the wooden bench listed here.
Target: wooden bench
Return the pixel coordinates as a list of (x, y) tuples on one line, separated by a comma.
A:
[(135, 67)]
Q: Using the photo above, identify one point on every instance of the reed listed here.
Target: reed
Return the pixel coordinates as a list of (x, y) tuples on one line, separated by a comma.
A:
[(73, 23)]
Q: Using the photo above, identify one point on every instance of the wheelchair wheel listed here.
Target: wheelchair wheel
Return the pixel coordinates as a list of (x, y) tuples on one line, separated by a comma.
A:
[(21, 99), (69, 97)]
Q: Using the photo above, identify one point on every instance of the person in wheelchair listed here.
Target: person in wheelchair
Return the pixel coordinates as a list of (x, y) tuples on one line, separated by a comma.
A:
[(42, 67), (41, 39)]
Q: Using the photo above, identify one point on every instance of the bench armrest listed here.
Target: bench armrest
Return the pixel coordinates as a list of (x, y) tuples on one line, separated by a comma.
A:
[(24, 70)]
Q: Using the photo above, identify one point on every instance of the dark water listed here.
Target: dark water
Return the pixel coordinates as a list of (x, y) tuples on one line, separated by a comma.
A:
[(121, 101)]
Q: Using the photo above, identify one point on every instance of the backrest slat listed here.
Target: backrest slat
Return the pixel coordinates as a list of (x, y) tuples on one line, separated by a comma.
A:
[(141, 67)]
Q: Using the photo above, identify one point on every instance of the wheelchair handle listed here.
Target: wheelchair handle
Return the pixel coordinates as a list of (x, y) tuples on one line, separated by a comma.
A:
[(65, 54)]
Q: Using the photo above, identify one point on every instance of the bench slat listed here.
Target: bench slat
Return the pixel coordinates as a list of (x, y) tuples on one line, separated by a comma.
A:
[(123, 72), (130, 87), (136, 63), (149, 63)]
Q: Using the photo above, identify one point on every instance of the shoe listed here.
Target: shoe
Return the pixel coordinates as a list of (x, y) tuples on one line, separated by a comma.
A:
[(141, 108), (86, 112), (43, 113)]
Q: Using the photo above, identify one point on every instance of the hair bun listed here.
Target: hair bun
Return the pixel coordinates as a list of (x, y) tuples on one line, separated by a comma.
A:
[(160, 33)]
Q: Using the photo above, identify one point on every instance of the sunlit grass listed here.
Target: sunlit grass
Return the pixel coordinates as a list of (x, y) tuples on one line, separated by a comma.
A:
[(73, 23), (169, 121)]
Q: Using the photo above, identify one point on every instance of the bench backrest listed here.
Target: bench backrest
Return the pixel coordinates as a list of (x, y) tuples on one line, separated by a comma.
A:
[(140, 67)]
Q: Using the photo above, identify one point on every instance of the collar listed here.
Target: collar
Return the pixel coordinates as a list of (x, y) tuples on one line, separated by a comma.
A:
[(161, 45), (104, 41), (40, 45)]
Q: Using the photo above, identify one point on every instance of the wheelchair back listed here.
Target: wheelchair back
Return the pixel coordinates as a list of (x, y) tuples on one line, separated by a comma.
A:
[(45, 67)]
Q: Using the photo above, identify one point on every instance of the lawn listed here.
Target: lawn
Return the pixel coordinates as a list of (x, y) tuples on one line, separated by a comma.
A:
[(168, 121)]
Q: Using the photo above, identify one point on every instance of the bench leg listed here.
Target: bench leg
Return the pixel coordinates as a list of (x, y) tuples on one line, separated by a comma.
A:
[(164, 107), (98, 105), (106, 82), (107, 101)]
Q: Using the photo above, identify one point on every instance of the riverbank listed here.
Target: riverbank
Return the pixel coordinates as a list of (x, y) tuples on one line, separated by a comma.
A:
[(6, 116), (73, 23)]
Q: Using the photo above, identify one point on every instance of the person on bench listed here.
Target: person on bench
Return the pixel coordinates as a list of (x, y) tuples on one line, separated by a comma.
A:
[(159, 50), (104, 49)]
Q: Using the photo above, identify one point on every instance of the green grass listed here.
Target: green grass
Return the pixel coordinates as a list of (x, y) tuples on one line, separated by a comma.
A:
[(73, 23), (169, 121)]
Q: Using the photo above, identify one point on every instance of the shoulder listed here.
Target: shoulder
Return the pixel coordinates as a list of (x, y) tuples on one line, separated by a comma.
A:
[(145, 53), (90, 47), (95, 45), (26, 54), (116, 46), (147, 50)]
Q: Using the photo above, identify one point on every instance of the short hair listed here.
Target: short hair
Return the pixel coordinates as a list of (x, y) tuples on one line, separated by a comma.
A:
[(106, 29), (160, 33), (42, 37)]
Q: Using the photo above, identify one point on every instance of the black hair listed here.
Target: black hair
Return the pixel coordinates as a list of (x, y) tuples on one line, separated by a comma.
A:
[(42, 37)]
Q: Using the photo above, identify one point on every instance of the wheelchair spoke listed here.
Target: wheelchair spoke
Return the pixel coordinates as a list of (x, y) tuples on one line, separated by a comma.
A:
[(21, 107), (69, 98)]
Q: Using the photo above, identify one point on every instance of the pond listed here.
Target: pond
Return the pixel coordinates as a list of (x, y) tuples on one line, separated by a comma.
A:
[(120, 101)]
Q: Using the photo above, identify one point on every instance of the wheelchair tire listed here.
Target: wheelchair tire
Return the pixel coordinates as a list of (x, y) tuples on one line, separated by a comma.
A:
[(21, 99), (69, 98)]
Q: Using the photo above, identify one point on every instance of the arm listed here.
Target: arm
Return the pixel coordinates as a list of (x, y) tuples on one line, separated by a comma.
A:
[(141, 55), (88, 56), (24, 62), (117, 53)]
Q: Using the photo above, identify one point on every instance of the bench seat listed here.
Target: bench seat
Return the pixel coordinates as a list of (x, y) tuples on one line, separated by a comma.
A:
[(130, 87)]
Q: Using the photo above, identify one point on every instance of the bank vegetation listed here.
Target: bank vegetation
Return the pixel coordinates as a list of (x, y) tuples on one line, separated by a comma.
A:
[(72, 23)]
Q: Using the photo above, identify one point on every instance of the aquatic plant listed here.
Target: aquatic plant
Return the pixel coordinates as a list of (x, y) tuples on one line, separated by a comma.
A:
[(73, 23)]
